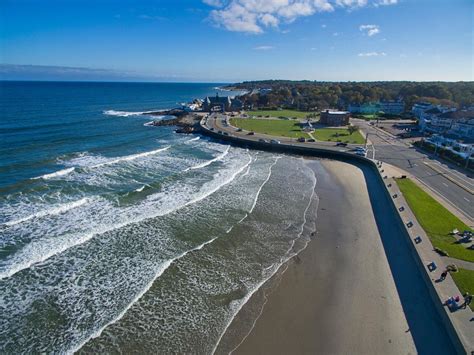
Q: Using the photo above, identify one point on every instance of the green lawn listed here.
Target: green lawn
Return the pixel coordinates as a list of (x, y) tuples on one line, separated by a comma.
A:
[(282, 128), (464, 279), (280, 113), (338, 134), (436, 220)]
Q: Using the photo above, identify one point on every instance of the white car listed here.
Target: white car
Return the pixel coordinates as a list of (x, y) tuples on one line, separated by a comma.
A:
[(274, 141), (361, 153)]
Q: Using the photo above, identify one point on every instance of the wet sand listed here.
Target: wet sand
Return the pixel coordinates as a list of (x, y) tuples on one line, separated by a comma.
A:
[(339, 295)]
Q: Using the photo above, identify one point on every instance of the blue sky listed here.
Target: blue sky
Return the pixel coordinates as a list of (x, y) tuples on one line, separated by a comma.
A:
[(235, 40)]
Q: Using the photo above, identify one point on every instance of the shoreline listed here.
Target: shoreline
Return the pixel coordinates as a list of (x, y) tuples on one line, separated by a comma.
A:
[(341, 287)]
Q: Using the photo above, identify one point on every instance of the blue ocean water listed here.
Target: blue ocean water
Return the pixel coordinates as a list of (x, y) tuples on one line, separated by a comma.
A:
[(116, 236), (43, 121)]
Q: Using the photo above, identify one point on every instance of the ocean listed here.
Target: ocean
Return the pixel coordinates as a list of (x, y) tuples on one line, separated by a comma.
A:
[(116, 236)]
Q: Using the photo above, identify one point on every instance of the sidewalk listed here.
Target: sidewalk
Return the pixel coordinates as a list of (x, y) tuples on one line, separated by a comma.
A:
[(462, 319)]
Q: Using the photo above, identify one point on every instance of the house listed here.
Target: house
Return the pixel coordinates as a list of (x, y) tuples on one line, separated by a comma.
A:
[(392, 107), (221, 104), (462, 149), (419, 108), (335, 118)]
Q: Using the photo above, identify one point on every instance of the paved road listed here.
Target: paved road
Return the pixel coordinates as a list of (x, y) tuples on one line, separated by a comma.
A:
[(454, 186), (217, 122)]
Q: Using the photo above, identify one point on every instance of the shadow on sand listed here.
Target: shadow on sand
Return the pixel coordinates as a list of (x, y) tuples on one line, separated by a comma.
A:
[(424, 320)]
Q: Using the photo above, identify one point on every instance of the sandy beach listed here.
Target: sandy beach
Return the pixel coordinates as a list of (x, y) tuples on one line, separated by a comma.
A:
[(354, 290)]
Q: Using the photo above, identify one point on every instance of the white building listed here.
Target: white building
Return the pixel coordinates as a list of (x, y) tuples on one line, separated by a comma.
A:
[(419, 108), (392, 107)]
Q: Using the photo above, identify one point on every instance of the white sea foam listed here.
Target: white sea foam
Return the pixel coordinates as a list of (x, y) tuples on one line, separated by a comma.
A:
[(209, 162), (125, 113), (161, 269), (140, 189), (261, 186), (50, 212), (193, 139), (40, 250), (55, 174), (130, 157)]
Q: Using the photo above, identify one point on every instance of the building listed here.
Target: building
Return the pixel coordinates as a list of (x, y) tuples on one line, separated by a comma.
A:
[(364, 109), (221, 104), (392, 107), (419, 108), (335, 118), (458, 124)]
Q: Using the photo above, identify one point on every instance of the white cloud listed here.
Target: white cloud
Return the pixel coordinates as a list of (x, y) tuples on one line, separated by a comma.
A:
[(370, 30), (254, 16), (215, 3), (385, 2), (351, 3), (372, 54), (263, 48), (323, 26)]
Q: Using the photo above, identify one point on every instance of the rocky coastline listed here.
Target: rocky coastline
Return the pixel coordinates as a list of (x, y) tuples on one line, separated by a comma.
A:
[(187, 122)]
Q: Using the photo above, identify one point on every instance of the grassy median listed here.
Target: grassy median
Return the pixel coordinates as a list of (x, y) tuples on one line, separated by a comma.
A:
[(436, 220), (338, 134), (281, 128), (464, 279), (280, 113)]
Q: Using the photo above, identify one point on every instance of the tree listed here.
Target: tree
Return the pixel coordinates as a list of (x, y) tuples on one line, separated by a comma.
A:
[(353, 129)]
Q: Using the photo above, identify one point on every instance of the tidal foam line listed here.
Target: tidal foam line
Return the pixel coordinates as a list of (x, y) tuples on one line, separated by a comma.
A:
[(131, 157), (261, 186), (163, 267), (50, 212), (209, 162), (81, 239)]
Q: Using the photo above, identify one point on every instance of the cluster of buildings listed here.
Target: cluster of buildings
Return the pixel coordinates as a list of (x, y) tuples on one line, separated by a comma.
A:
[(221, 104), (451, 128), (390, 107)]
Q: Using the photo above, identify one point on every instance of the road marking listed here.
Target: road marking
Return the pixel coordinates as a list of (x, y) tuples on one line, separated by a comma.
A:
[(466, 199), (450, 178), (445, 184), (467, 214), (455, 173)]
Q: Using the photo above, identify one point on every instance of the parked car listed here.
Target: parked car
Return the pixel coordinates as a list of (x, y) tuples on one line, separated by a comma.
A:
[(262, 140), (301, 139), (341, 144), (311, 140), (274, 141), (212, 128), (239, 129), (226, 134), (250, 133), (361, 153), (220, 132)]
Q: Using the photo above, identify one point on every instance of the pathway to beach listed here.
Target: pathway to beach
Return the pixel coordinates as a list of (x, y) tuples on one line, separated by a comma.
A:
[(354, 290)]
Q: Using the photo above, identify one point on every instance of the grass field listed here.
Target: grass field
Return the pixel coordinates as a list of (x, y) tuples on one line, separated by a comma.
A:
[(282, 128), (338, 134), (436, 220), (279, 113), (464, 279)]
